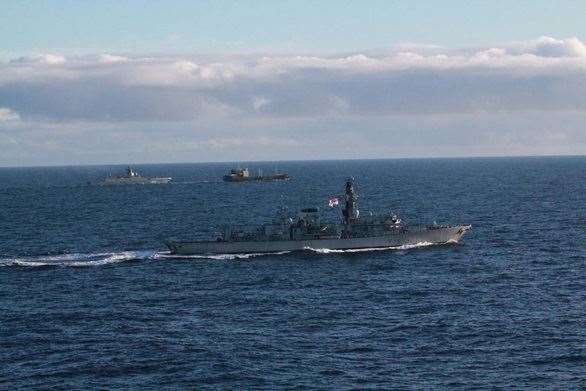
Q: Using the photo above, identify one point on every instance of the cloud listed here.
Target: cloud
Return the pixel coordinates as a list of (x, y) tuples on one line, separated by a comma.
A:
[(551, 47), (111, 59), (48, 59), (543, 74), (515, 98), (259, 102), (7, 115)]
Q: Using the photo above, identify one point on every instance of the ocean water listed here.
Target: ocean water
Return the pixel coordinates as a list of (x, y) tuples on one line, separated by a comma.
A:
[(90, 298)]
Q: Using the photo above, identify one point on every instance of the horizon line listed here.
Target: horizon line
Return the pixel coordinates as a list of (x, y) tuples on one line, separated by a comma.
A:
[(298, 160)]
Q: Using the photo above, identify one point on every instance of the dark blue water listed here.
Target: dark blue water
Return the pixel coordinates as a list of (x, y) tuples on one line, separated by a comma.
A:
[(89, 297)]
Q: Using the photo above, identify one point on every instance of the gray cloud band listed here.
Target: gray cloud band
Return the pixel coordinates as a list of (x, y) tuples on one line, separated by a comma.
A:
[(544, 74)]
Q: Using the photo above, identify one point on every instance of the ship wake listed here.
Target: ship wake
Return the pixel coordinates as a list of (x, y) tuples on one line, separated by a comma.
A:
[(77, 259), (168, 255), (361, 250), (109, 258)]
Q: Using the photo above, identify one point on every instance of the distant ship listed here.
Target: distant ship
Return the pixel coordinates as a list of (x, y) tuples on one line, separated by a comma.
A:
[(134, 178), (243, 175), (307, 231)]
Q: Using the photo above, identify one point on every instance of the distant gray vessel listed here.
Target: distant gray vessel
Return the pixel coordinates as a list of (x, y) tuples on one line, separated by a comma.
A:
[(306, 231), (134, 178), (243, 175)]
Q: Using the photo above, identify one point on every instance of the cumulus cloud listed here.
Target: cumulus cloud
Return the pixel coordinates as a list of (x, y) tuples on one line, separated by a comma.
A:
[(551, 47), (259, 102), (543, 74), (48, 59), (7, 115)]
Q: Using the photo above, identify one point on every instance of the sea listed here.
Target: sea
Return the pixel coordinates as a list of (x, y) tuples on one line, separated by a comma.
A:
[(90, 298)]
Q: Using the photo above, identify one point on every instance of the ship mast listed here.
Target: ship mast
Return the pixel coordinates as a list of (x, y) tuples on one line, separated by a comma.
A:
[(350, 211)]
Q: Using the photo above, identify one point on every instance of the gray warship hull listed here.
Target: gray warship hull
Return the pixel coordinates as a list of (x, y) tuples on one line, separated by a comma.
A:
[(133, 178), (403, 237)]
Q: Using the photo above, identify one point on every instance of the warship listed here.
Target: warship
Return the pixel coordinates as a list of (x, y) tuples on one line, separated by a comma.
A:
[(134, 178), (306, 231), (243, 175)]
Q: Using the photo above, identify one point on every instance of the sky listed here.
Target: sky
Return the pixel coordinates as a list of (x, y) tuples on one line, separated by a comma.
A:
[(101, 82)]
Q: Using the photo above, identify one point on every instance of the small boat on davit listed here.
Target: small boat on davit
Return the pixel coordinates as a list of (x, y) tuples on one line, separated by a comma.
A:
[(307, 231)]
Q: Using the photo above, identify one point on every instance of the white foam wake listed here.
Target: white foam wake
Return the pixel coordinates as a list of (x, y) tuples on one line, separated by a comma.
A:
[(360, 250), (168, 255), (106, 258), (77, 259)]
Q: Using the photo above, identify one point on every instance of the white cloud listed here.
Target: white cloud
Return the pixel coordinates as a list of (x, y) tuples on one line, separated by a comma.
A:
[(111, 59), (543, 74), (7, 115), (259, 102), (422, 99), (551, 47), (48, 59)]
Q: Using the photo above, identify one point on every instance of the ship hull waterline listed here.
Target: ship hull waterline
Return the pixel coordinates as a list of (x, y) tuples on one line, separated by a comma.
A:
[(135, 181), (430, 236), (276, 178)]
